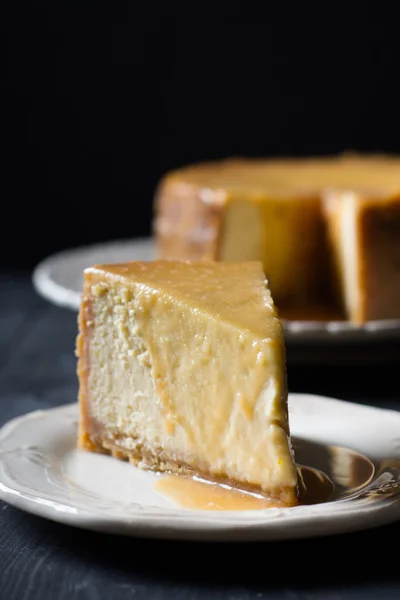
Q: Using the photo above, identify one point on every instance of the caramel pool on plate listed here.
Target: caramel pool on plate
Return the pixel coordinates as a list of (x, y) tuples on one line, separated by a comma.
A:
[(198, 494)]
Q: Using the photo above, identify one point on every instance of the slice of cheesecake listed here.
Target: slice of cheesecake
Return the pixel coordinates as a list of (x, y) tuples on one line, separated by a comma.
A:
[(364, 234), (182, 368)]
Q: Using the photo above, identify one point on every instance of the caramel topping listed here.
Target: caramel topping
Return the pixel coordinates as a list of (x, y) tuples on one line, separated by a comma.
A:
[(233, 293), (198, 494), (285, 177)]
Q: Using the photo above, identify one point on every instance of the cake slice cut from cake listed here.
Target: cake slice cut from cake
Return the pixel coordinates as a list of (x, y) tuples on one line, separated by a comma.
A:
[(182, 368), (364, 235)]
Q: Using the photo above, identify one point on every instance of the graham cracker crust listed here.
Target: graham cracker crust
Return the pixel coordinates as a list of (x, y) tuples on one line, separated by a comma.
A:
[(160, 461)]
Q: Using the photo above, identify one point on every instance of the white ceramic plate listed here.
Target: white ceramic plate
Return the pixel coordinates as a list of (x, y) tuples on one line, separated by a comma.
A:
[(59, 280), (42, 472)]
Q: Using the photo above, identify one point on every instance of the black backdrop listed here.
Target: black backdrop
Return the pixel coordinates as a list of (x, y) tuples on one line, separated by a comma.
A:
[(103, 101)]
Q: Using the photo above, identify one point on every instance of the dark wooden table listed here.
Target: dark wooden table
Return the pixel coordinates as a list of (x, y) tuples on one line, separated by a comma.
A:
[(47, 561)]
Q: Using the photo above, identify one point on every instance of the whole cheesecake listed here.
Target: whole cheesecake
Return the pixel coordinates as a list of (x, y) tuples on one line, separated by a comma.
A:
[(274, 211), (182, 368)]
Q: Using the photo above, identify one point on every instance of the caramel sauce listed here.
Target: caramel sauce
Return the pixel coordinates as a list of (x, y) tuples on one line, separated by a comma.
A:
[(333, 473), (199, 494)]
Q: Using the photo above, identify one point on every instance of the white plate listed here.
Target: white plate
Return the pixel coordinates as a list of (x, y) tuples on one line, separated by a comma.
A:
[(42, 472), (59, 279)]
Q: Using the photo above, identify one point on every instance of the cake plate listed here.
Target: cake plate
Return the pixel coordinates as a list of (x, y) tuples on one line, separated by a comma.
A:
[(42, 472)]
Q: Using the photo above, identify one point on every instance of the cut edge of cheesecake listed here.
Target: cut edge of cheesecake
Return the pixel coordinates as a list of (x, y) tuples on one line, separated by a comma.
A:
[(153, 424), (364, 230)]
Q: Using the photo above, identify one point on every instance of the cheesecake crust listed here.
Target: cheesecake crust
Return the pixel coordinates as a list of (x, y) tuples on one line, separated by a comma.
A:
[(85, 324), (157, 460)]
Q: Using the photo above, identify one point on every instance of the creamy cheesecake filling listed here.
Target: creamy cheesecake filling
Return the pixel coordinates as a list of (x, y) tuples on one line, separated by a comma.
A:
[(170, 382), (241, 217), (283, 233), (341, 213), (349, 260), (292, 253)]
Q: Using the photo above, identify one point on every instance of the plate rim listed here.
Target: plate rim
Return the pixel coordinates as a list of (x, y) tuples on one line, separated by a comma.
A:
[(147, 523)]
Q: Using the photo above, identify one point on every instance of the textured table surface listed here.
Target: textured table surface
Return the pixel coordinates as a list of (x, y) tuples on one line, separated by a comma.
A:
[(47, 561)]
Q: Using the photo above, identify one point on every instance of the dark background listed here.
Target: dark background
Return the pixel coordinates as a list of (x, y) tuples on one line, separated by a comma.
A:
[(99, 103), (102, 101)]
